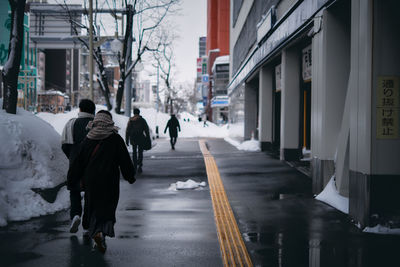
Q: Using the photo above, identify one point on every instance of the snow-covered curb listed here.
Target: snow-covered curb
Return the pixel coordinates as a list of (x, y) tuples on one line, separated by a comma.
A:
[(332, 197), (250, 145)]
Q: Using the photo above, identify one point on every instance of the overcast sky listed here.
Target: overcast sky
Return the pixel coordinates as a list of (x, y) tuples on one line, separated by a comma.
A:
[(192, 24)]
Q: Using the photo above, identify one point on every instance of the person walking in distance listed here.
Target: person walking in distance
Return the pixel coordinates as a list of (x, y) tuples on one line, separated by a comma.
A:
[(173, 125), (73, 133), (137, 131), (101, 158)]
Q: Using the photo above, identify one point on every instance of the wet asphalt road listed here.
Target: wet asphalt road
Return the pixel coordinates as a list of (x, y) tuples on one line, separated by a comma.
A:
[(155, 226), (281, 223)]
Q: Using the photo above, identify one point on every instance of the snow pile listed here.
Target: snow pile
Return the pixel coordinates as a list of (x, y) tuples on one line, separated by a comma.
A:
[(189, 128), (189, 184), (250, 145), (379, 229), (236, 130), (331, 197), (30, 157)]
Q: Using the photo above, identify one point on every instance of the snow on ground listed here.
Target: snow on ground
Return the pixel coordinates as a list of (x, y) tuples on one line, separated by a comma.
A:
[(30, 157), (189, 128), (189, 184), (331, 197), (249, 145)]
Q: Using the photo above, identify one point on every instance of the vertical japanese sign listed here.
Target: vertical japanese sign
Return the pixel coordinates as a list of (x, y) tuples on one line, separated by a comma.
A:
[(387, 108), (306, 64)]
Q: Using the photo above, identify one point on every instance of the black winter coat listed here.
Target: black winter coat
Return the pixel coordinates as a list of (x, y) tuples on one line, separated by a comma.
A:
[(136, 131), (79, 133), (100, 174), (173, 125)]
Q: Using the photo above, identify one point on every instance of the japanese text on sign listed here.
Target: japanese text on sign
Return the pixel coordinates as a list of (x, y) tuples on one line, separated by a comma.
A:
[(388, 105)]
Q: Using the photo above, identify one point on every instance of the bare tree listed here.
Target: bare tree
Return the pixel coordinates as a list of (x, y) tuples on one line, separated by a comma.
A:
[(164, 60), (148, 16), (77, 25), (143, 17), (11, 68)]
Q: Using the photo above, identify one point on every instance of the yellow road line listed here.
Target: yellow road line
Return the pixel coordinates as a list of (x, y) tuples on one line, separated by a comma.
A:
[(234, 252)]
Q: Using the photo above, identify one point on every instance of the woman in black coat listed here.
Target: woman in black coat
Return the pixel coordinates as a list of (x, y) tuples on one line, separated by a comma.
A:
[(97, 168), (173, 125)]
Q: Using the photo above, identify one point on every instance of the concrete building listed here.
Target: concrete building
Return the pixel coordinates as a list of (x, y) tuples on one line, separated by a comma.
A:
[(217, 41), (220, 79), (323, 76), (54, 39)]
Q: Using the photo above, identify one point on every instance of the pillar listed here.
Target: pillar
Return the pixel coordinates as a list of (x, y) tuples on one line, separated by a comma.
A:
[(250, 110), (265, 108), (290, 106), (330, 76)]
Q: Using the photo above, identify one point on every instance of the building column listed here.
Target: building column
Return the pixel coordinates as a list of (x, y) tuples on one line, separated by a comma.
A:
[(265, 108), (330, 75), (374, 149), (250, 111), (290, 107)]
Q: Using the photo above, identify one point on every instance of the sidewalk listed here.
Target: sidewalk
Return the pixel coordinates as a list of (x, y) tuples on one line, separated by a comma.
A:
[(283, 225)]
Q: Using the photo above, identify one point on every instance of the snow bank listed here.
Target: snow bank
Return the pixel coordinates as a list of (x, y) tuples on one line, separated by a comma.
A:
[(250, 145), (331, 197), (189, 184), (30, 157), (189, 128)]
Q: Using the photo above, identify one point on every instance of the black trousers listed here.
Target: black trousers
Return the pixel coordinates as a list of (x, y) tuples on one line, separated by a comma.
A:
[(76, 207), (173, 140), (137, 156)]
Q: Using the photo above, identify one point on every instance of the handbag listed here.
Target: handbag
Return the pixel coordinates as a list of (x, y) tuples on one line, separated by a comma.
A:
[(147, 143)]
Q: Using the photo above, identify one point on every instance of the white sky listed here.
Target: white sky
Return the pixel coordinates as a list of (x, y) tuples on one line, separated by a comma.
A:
[(191, 25)]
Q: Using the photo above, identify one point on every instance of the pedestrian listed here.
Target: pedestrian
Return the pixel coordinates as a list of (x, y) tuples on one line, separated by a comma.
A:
[(101, 158), (73, 134), (137, 131), (173, 125)]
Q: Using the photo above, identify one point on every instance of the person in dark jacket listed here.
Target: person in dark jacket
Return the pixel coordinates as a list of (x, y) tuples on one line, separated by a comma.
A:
[(173, 125), (101, 157), (137, 131), (73, 134)]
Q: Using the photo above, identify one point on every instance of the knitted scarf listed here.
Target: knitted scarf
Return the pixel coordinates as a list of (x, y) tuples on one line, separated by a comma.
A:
[(101, 127), (68, 131)]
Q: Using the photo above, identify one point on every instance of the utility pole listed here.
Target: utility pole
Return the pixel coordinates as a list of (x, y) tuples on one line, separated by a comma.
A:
[(91, 49), (158, 83), (128, 81), (158, 99)]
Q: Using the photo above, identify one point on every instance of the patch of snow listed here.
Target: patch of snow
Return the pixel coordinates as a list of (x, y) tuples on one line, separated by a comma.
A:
[(249, 145), (331, 196), (379, 229), (189, 184), (31, 157)]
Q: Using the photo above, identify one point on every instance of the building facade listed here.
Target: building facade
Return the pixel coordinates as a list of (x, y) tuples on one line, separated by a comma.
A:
[(322, 76), (58, 49), (217, 43)]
